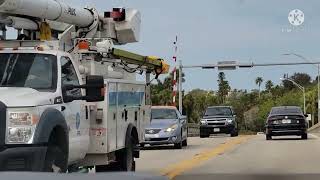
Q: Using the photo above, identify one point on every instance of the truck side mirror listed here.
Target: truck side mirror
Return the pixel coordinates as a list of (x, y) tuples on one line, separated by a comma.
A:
[(94, 89)]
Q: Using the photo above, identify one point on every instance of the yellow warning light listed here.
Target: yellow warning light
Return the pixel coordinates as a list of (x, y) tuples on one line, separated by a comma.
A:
[(165, 67)]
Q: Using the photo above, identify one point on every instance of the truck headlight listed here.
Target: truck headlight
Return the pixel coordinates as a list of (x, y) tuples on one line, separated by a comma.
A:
[(203, 122), (171, 128), (229, 121), (21, 125)]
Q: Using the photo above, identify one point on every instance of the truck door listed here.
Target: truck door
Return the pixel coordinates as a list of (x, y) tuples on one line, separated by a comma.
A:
[(75, 113)]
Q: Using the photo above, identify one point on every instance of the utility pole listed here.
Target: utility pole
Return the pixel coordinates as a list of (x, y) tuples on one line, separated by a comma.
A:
[(307, 60), (303, 91)]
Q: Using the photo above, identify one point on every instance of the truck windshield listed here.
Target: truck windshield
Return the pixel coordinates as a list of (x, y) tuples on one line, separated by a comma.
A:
[(218, 111), (37, 71), (163, 114)]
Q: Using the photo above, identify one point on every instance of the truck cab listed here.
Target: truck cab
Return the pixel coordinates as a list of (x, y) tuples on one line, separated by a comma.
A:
[(39, 112)]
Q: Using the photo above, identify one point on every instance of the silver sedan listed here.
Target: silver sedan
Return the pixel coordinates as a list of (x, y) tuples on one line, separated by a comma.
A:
[(167, 126)]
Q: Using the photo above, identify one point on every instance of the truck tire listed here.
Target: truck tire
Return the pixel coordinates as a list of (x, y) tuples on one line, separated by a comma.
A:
[(55, 160), (304, 136), (125, 157), (268, 137), (113, 167), (203, 135), (234, 133), (124, 160)]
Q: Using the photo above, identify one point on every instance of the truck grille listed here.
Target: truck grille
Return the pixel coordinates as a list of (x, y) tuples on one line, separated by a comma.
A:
[(152, 131), (223, 119), (216, 123), (3, 111)]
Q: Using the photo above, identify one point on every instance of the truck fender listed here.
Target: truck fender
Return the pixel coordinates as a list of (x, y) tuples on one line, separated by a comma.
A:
[(50, 119)]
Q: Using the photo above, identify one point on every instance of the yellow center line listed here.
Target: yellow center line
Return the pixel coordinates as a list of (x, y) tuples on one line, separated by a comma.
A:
[(177, 169)]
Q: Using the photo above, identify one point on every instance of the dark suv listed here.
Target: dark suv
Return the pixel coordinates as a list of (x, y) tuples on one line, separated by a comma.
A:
[(286, 120), (218, 120)]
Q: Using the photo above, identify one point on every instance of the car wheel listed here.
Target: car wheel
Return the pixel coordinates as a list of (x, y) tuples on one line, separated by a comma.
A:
[(185, 142), (304, 136), (268, 137), (178, 145)]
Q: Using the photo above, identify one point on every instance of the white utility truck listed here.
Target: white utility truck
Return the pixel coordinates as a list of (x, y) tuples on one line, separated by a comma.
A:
[(68, 97)]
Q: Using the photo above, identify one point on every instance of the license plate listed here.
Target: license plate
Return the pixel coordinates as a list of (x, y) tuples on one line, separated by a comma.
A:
[(216, 130), (149, 136), (286, 121)]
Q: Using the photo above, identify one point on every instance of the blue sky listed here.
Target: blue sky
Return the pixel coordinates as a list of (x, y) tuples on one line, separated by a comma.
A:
[(214, 30)]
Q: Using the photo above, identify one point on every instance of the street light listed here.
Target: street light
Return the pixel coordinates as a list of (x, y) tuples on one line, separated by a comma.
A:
[(301, 88), (318, 79)]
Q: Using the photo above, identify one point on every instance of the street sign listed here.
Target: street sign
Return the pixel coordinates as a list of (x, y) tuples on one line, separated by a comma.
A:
[(227, 65)]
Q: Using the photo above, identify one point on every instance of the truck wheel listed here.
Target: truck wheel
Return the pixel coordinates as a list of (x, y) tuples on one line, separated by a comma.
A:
[(126, 158), (234, 133), (304, 136), (268, 137), (203, 135), (108, 168), (55, 160)]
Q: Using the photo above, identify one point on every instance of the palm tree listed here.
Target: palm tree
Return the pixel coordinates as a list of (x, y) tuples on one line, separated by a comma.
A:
[(224, 87), (269, 85), (259, 81)]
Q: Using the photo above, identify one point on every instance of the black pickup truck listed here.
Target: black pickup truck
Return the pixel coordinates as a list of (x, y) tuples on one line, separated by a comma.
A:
[(218, 120)]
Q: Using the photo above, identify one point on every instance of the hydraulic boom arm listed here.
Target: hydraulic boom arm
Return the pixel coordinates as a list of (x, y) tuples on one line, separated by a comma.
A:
[(48, 9)]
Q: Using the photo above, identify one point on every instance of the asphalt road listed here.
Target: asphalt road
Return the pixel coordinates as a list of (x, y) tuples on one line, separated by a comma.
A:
[(239, 155)]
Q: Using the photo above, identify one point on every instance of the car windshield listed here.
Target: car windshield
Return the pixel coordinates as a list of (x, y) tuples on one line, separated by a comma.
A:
[(285, 110), (37, 71), (161, 114), (218, 111)]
